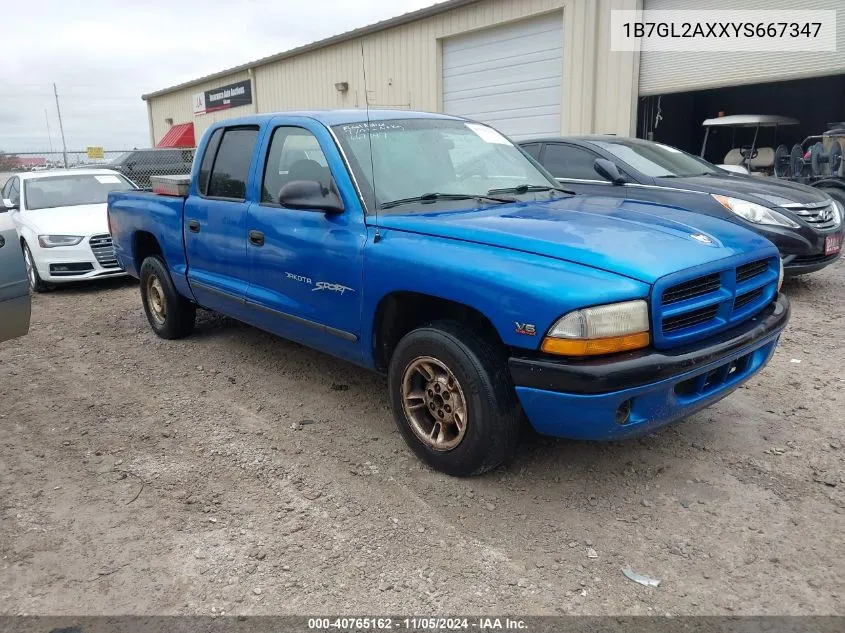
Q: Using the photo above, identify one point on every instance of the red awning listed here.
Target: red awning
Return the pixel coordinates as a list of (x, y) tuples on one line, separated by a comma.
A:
[(180, 135)]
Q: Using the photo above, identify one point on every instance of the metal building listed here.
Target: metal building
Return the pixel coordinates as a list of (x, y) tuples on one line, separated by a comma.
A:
[(529, 67)]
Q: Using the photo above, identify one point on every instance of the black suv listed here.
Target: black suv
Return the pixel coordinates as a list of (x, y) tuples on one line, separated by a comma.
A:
[(806, 224), (138, 165)]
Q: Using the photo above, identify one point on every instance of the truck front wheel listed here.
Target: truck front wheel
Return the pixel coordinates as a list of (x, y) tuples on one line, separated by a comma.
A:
[(453, 399), (170, 315)]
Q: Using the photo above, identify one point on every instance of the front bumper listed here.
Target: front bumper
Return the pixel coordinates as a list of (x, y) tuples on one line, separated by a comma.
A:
[(586, 399), (802, 249), (801, 265), (72, 263)]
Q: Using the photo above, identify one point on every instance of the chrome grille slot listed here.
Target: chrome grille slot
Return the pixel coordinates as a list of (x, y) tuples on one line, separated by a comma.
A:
[(747, 271), (748, 297), (819, 217), (103, 249), (689, 319), (693, 288)]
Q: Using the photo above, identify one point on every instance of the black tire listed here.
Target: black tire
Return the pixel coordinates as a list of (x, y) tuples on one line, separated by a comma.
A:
[(494, 416), (178, 316), (36, 284)]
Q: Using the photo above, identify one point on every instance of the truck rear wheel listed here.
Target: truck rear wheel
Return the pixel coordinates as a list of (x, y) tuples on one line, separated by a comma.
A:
[(170, 315), (453, 399)]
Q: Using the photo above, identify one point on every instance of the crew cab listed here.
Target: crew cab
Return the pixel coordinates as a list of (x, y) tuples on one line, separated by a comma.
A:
[(432, 249)]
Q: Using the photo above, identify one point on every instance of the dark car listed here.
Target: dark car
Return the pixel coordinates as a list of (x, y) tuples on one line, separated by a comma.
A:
[(804, 223), (139, 164)]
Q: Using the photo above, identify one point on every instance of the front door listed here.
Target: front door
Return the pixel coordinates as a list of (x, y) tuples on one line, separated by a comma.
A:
[(14, 286), (215, 221), (573, 168), (306, 266)]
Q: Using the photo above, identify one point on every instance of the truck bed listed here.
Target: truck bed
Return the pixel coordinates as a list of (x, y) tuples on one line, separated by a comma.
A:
[(135, 216)]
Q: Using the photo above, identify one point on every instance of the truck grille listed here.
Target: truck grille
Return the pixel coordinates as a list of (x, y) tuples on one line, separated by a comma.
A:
[(688, 307), (748, 271), (693, 288), (103, 249), (688, 319), (821, 216)]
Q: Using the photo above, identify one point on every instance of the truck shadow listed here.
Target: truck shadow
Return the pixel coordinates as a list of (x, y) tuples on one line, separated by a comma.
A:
[(333, 385)]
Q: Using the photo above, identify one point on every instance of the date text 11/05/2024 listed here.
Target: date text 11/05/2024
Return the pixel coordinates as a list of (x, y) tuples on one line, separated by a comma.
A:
[(418, 623)]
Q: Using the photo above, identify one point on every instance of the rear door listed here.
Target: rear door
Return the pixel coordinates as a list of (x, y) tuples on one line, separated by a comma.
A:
[(14, 286), (215, 220)]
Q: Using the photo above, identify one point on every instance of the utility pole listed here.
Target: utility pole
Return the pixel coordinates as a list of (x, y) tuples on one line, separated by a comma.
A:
[(61, 129), (49, 135)]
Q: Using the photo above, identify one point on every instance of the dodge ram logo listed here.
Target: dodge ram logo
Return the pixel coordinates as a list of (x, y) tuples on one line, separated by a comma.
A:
[(701, 237)]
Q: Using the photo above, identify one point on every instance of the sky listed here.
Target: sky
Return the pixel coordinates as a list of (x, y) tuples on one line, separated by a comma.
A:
[(103, 55)]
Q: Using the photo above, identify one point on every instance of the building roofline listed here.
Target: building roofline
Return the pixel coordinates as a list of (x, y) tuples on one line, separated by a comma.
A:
[(399, 20)]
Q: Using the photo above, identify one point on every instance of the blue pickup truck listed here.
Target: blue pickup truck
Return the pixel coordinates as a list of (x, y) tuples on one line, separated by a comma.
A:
[(434, 250)]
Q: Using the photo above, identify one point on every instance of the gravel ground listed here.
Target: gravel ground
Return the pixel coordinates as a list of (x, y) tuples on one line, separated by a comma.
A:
[(236, 472)]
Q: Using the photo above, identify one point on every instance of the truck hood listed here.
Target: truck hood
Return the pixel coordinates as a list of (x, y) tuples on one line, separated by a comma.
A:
[(770, 192), (640, 240), (83, 219)]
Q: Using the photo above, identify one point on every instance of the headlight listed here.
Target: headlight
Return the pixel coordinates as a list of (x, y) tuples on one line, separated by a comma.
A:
[(780, 272), (52, 241), (615, 327), (756, 213), (838, 212)]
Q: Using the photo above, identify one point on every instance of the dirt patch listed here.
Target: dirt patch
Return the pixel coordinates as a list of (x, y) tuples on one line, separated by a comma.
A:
[(237, 472)]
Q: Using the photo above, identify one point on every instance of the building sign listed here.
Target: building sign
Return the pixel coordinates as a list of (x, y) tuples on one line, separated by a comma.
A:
[(223, 98), (95, 152)]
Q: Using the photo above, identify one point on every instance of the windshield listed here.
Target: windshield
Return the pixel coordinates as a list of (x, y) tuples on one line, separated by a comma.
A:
[(656, 160), (71, 190), (415, 157)]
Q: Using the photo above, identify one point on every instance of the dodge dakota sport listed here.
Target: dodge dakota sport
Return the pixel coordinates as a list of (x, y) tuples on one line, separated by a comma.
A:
[(432, 249)]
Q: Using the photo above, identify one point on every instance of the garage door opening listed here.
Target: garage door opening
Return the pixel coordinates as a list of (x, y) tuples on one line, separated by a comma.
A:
[(675, 119)]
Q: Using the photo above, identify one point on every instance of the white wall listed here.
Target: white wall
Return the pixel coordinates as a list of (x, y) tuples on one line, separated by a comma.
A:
[(403, 69)]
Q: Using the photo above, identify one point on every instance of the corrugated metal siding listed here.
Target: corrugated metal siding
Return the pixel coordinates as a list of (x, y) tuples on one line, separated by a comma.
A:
[(403, 69), (508, 76), (667, 72)]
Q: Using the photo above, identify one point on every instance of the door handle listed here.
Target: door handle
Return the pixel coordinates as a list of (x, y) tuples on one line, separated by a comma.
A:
[(256, 238), (2, 241), (194, 226)]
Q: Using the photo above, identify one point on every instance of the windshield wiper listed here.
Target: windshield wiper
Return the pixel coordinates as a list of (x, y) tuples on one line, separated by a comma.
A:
[(434, 197), (523, 189)]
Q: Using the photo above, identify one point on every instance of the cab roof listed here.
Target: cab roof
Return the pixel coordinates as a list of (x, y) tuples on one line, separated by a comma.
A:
[(331, 118), (78, 171)]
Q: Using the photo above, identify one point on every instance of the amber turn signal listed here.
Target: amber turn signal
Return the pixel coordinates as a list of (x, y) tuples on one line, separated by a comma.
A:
[(594, 347)]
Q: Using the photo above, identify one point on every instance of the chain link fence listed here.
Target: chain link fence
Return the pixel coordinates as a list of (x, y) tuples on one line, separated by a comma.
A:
[(138, 164)]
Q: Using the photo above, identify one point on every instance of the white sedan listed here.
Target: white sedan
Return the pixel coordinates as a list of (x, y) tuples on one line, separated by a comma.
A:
[(62, 223)]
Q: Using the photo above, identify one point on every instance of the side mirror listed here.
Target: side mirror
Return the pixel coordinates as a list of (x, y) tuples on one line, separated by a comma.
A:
[(7, 205), (609, 171), (310, 195)]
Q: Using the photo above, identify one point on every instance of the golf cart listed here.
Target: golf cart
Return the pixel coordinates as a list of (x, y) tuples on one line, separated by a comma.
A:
[(752, 158), (816, 161)]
